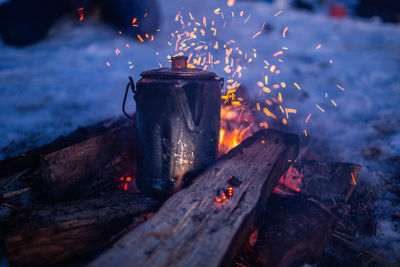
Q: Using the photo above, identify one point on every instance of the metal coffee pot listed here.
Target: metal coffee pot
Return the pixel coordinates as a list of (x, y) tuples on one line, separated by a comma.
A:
[(177, 121)]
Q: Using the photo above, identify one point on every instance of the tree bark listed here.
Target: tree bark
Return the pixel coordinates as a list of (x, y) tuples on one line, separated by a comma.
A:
[(192, 228)]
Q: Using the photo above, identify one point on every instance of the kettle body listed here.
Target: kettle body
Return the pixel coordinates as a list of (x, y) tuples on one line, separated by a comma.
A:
[(178, 123)]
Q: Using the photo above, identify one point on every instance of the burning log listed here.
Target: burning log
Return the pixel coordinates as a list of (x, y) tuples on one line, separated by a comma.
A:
[(96, 161), (197, 228), (295, 231), (324, 181), (45, 235)]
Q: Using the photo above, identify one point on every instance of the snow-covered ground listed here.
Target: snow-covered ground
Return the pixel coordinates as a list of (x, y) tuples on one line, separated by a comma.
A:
[(50, 88)]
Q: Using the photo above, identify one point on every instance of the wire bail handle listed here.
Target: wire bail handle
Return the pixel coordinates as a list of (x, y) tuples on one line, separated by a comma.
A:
[(130, 84)]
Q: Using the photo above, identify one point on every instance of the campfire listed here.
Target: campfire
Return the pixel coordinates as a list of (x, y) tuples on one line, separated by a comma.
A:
[(196, 178), (258, 204)]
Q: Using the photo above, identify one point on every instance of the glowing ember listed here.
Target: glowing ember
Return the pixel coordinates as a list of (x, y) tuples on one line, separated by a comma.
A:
[(80, 12), (230, 191), (291, 180), (127, 183), (220, 196)]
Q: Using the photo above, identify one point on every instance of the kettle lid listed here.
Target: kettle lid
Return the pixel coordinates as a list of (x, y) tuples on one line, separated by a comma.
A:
[(178, 69)]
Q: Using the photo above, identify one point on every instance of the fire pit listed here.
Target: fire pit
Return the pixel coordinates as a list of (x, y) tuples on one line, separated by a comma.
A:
[(214, 216)]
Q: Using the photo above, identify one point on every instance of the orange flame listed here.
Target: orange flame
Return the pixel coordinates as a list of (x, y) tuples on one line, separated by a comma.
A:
[(236, 125)]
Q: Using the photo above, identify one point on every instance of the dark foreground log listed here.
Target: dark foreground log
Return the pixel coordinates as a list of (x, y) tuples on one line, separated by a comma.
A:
[(192, 228), (98, 160), (46, 235), (294, 232)]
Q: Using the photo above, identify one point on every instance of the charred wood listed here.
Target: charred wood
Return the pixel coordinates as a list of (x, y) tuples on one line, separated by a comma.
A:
[(81, 170), (295, 231), (31, 159), (192, 228), (331, 182), (297, 227), (49, 234)]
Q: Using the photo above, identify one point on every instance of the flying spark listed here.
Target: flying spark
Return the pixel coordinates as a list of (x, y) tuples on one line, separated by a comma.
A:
[(308, 118), (230, 3), (140, 38), (341, 88), (320, 108), (354, 179), (284, 32)]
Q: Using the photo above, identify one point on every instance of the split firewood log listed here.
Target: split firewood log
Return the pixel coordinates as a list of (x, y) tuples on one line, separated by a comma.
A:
[(31, 159), (50, 234), (207, 223), (75, 171)]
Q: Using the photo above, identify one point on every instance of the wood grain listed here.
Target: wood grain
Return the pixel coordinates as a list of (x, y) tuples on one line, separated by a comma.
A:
[(49, 234), (31, 159), (100, 159), (191, 228)]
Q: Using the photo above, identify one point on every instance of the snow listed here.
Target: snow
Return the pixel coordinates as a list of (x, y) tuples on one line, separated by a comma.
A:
[(50, 88)]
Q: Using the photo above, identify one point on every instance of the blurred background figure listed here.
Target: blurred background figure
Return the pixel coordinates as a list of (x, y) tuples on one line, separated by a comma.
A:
[(24, 22), (386, 10)]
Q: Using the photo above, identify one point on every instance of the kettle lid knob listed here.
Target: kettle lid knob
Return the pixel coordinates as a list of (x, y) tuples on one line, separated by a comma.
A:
[(179, 62)]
